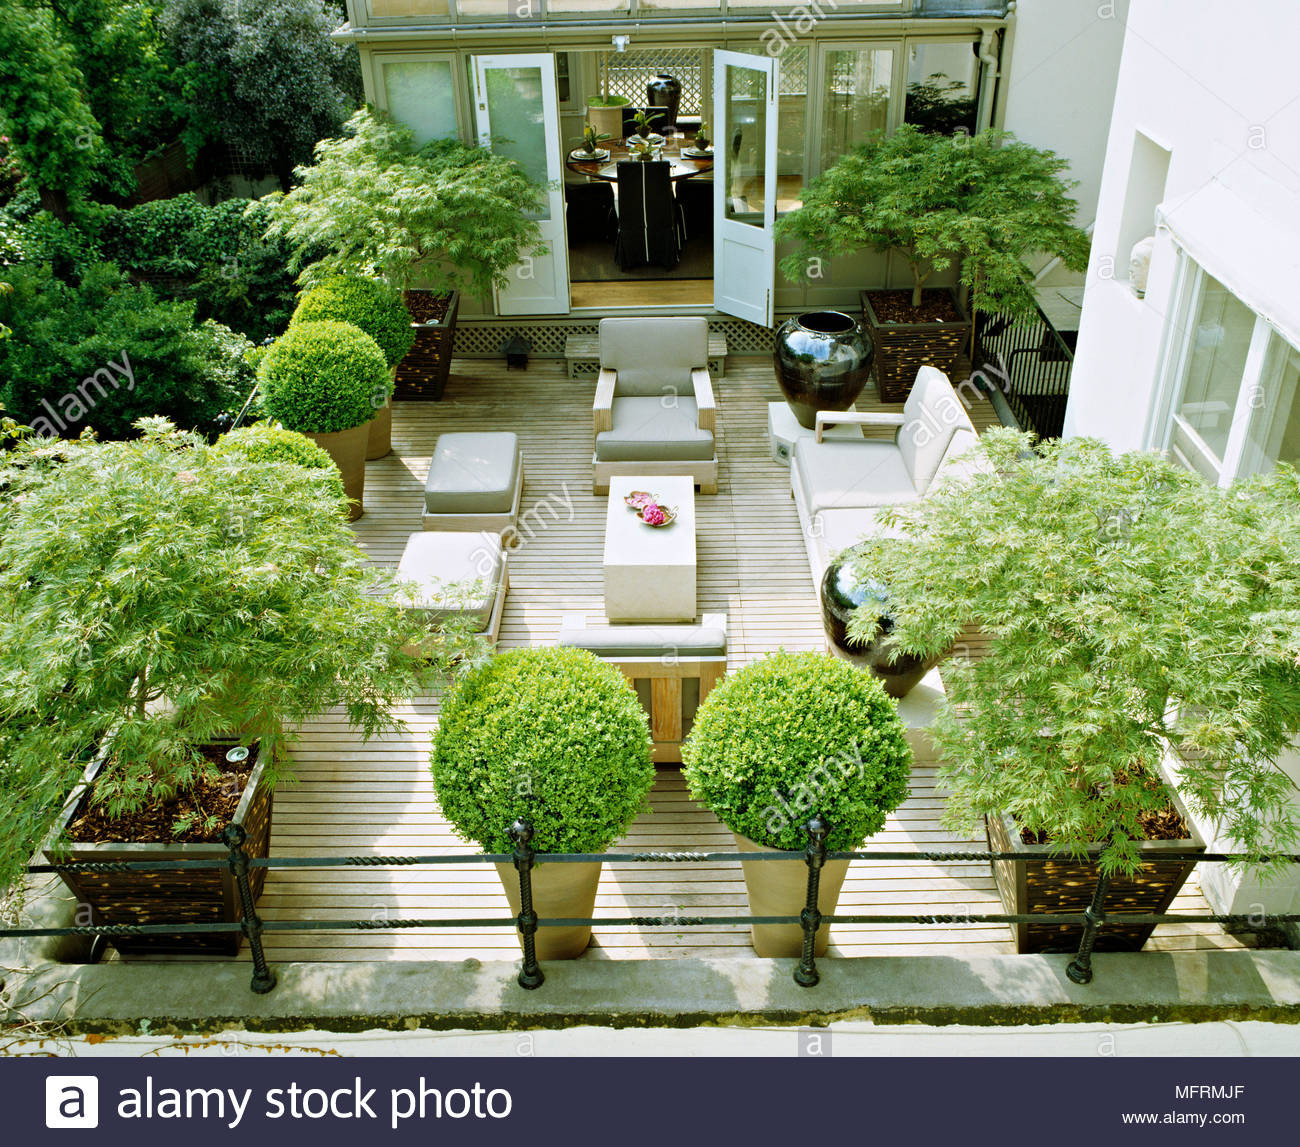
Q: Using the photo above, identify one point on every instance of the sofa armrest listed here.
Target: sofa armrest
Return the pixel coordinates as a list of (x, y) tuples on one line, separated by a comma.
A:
[(827, 418), (602, 411), (704, 400)]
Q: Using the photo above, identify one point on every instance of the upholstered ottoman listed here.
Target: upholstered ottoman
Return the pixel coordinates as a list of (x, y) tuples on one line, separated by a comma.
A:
[(440, 565), (475, 482)]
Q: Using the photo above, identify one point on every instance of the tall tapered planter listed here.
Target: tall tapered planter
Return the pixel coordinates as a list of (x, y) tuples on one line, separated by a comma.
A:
[(348, 449), (780, 888), (379, 442), (560, 891)]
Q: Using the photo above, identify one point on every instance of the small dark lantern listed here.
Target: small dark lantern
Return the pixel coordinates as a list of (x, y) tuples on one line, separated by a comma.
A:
[(516, 349)]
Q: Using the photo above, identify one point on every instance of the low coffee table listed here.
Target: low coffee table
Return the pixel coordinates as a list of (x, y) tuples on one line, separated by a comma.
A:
[(650, 572)]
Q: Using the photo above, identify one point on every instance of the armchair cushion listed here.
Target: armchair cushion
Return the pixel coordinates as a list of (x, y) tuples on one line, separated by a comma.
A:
[(645, 430), (653, 356), (842, 474)]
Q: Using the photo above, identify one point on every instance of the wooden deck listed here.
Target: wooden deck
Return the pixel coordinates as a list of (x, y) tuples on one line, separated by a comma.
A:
[(375, 798)]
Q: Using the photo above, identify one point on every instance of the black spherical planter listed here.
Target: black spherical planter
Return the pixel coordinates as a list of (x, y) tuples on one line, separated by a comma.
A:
[(840, 596), (665, 93), (822, 362)]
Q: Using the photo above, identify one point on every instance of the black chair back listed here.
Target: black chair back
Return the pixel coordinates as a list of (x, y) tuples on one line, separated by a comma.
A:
[(649, 220)]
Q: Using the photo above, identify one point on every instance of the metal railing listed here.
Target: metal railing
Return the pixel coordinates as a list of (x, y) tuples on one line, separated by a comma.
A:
[(1030, 362), (524, 857)]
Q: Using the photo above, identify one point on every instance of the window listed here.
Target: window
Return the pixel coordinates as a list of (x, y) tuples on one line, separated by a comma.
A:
[(1232, 407), (942, 87), (855, 98), (421, 94)]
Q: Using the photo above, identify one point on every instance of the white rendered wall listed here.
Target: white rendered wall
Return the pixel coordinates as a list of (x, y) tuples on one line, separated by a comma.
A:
[(1216, 86)]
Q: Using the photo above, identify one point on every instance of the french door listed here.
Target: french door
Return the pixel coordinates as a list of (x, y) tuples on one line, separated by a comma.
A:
[(516, 114), (744, 185)]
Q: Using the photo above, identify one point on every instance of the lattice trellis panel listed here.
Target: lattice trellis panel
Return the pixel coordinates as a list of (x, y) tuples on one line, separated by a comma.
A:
[(630, 71), (484, 340)]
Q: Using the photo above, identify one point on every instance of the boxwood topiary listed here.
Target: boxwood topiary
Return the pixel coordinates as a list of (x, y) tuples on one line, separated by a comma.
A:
[(367, 303), (793, 735), (266, 442), (322, 377), (551, 734)]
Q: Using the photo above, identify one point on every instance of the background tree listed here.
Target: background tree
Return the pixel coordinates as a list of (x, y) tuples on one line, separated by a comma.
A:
[(265, 78), (446, 215)]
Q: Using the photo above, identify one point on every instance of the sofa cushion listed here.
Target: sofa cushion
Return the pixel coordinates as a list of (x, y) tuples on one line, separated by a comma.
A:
[(685, 642), (930, 416), (645, 430), (473, 474), (442, 565), (840, 529), (836, 475)]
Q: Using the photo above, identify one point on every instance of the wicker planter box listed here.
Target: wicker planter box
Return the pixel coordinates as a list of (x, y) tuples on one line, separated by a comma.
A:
[(1061, 884), (181, 897), (422, 374), (903, 348)]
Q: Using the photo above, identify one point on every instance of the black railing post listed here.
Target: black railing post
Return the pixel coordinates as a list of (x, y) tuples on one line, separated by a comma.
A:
[(530, 975), (806, 974), (1080, 968), (234, 836)]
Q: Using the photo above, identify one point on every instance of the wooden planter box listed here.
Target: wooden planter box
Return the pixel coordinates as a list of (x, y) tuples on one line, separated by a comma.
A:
[(1057, 884), (903, 348), (178, 897), (422, 374)]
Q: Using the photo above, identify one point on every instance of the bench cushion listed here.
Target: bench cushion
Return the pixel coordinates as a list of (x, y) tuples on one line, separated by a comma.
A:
[(645, 430), (437, 561), (839, 475), (473, 474), (686, 642)]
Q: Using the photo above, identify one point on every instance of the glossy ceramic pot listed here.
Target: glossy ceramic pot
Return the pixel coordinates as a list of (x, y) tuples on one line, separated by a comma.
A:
[(664, 92), (823, 361)]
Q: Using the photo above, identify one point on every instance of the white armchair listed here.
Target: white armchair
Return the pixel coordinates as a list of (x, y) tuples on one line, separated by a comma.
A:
[(654, 411)]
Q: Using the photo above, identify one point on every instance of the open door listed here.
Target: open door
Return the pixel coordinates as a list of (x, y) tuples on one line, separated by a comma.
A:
[(744, 185), (516, 114)]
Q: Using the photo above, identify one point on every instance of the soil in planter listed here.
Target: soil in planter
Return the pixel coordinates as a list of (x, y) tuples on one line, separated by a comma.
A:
[(215, 794), (896, 307), (427, 308), (1157, 824)]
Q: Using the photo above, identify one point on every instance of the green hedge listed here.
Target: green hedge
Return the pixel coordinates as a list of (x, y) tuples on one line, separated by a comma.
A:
[(554, 735), (322, 377), (366, 303), (796, 734), (264, 442)]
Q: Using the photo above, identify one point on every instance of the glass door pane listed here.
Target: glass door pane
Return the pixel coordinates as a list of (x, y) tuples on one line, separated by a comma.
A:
[(514, 97), (1219, 337), (855, 98), (745, 137), (1274, 434)]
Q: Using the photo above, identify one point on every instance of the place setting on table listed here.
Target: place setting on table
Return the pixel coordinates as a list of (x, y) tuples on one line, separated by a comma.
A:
[(598, 155)]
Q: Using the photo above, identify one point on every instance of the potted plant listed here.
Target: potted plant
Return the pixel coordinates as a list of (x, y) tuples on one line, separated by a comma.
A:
[(703, 140), (557, 737), (1139, 665), (590, 142), (161, 602), (429, 221), (378, 310), (321, 379), (786, 738), (982, 204), (644, 121), (605, 111)]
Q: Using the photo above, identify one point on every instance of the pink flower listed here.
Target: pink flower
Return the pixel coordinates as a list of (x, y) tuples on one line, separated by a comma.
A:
[(652, 515)]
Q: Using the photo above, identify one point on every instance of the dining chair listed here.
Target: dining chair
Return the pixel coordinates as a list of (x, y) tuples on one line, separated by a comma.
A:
[(650, 225)]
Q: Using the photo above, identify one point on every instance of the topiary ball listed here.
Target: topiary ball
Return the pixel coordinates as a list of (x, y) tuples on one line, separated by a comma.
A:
[(265, 442), (323, 377), (369, 304), (793, 735), (554, 735)]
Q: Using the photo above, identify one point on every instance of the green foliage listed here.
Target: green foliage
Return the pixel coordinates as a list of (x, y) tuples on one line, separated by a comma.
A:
[(170, 594), (366, 303), (264, 78), (984, 203), (266, 442), (52, 134), (1130, 607), (103, 353), (551, 734), (322, 377), (446, 215), (793, 735)]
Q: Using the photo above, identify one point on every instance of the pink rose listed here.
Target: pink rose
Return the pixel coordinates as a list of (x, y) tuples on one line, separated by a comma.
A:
[(652, 515)]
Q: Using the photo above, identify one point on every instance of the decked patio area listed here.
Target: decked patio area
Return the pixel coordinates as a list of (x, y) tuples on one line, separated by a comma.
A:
[(377, 798)]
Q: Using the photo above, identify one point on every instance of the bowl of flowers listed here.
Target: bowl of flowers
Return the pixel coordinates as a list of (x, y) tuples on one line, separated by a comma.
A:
[(649, 509)]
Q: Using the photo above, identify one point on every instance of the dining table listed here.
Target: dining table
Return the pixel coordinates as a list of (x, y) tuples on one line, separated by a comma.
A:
[(682, 166)]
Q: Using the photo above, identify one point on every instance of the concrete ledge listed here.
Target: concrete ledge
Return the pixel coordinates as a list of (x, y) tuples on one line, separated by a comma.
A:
[(994, 990)]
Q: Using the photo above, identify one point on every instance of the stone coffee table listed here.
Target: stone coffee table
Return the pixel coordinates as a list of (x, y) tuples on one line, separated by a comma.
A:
[(650, 572)]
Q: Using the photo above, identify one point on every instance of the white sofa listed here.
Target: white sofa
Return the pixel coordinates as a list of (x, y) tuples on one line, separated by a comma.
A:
[(841, 486)]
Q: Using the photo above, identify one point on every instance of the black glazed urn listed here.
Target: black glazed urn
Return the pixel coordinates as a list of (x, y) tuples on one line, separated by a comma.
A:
[(840, 597), (823, 360), (665, 93)]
